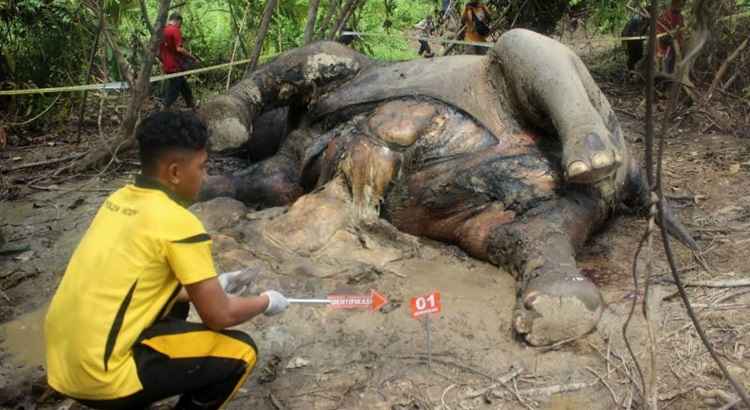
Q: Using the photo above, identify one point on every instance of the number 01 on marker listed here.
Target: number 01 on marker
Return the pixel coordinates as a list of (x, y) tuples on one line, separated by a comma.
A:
[(422, 305)]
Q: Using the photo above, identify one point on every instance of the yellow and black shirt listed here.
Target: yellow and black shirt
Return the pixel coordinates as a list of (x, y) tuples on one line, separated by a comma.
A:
[(140, 248)]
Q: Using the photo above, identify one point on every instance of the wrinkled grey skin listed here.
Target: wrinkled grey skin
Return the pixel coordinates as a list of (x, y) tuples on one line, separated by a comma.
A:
[(516, 157)]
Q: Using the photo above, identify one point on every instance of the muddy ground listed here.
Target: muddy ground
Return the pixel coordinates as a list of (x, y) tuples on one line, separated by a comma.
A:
[(319, 358)]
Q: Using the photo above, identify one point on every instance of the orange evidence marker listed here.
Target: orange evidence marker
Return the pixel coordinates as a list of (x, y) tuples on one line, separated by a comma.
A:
[(374, 301), (423, 305), (426, 305)]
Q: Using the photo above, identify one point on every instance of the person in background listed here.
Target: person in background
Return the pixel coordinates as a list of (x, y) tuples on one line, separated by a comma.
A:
[(116, 330), (634, 30), (426, 27), (347, 39), (174, 59), (476, 19), (669, 25), (445, 7)]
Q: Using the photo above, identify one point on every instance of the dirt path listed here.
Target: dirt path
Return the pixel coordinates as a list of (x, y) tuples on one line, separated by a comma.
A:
[(317, 358)]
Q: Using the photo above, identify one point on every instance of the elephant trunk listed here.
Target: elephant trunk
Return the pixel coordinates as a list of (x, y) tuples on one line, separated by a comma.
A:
[(294, 78)]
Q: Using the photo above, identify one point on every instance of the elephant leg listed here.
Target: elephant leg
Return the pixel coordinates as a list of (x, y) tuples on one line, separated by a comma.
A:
[(553, 89), (555, 301)]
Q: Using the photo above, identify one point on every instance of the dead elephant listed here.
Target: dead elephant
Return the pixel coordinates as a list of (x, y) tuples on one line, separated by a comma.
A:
[(516, 157)]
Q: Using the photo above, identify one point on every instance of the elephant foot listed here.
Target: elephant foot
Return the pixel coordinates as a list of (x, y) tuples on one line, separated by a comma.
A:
[(591, 158), (556, 309)]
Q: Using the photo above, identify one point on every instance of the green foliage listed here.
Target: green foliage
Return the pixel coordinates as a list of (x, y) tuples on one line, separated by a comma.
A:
[(34, 39), (404, 14), (538, 15), (35, 47), (45, 42), (608, 16)]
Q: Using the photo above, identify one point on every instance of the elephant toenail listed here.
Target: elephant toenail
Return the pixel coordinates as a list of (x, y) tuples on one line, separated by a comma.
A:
[(577, 168), (530, 298), (601, 160)]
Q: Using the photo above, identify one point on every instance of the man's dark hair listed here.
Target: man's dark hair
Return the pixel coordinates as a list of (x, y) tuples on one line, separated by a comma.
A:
[(167, 131), (175, 17)]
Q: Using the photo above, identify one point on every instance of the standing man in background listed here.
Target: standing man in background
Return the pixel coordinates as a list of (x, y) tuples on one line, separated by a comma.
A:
[(476, 19), (426, 26), (175, 58), (670, 24)]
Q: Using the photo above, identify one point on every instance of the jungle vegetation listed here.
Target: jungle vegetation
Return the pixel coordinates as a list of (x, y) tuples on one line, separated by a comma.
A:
[(46, 43)]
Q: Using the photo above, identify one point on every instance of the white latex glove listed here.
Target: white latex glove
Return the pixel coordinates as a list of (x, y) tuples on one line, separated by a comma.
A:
[(277, 303), (236, 282)]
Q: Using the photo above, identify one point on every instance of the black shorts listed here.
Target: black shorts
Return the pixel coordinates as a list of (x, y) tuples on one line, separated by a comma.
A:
[(175, 357)]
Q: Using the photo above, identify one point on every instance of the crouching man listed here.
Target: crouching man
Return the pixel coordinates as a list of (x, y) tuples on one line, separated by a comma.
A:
[(115, 331)]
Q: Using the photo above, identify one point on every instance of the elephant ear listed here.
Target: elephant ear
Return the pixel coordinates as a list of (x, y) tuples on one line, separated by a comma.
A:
[(434, 78)]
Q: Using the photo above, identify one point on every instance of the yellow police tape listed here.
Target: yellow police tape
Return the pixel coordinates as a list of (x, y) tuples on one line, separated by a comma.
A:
[(472, 43), (120, 85), (432, 39)]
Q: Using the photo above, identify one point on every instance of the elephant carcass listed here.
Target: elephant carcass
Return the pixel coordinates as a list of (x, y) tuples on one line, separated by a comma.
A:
[(516, 157)]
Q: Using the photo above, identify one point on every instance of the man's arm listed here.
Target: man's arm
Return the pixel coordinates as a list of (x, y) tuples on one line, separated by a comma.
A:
[(185, 53), (487, 18), (219, 310), (466, 18), (180, 49)]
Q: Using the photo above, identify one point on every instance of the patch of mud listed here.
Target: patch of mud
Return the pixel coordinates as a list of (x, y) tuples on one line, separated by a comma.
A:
[(23, 339), (320, 358)]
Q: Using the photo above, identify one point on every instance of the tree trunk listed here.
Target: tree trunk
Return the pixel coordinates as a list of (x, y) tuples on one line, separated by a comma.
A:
[(345, 13), (239, 27), (237, 41), (723, 69), (109, 148), (323, 28), (262, 32), (312, 15), (122, 65), (144, 16), (94, 49)]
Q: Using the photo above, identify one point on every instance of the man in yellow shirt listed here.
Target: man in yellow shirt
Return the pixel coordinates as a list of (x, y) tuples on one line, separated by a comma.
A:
[(115, 331), (476, 20)]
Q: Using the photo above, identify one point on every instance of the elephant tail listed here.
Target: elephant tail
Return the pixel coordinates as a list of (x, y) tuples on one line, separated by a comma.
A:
[(639, 200)]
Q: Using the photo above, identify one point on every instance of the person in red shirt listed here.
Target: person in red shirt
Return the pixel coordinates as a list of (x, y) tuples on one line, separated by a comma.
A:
[(669, 24), (175, 58)]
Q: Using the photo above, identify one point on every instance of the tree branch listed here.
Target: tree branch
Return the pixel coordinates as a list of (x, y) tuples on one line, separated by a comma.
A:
[(312, 15), (94, 49), (343, 17), (139, 93), (262, 33), (684, 65), (144, 15), (239, 27), (723, 69), (122, 65), (323, 28)]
